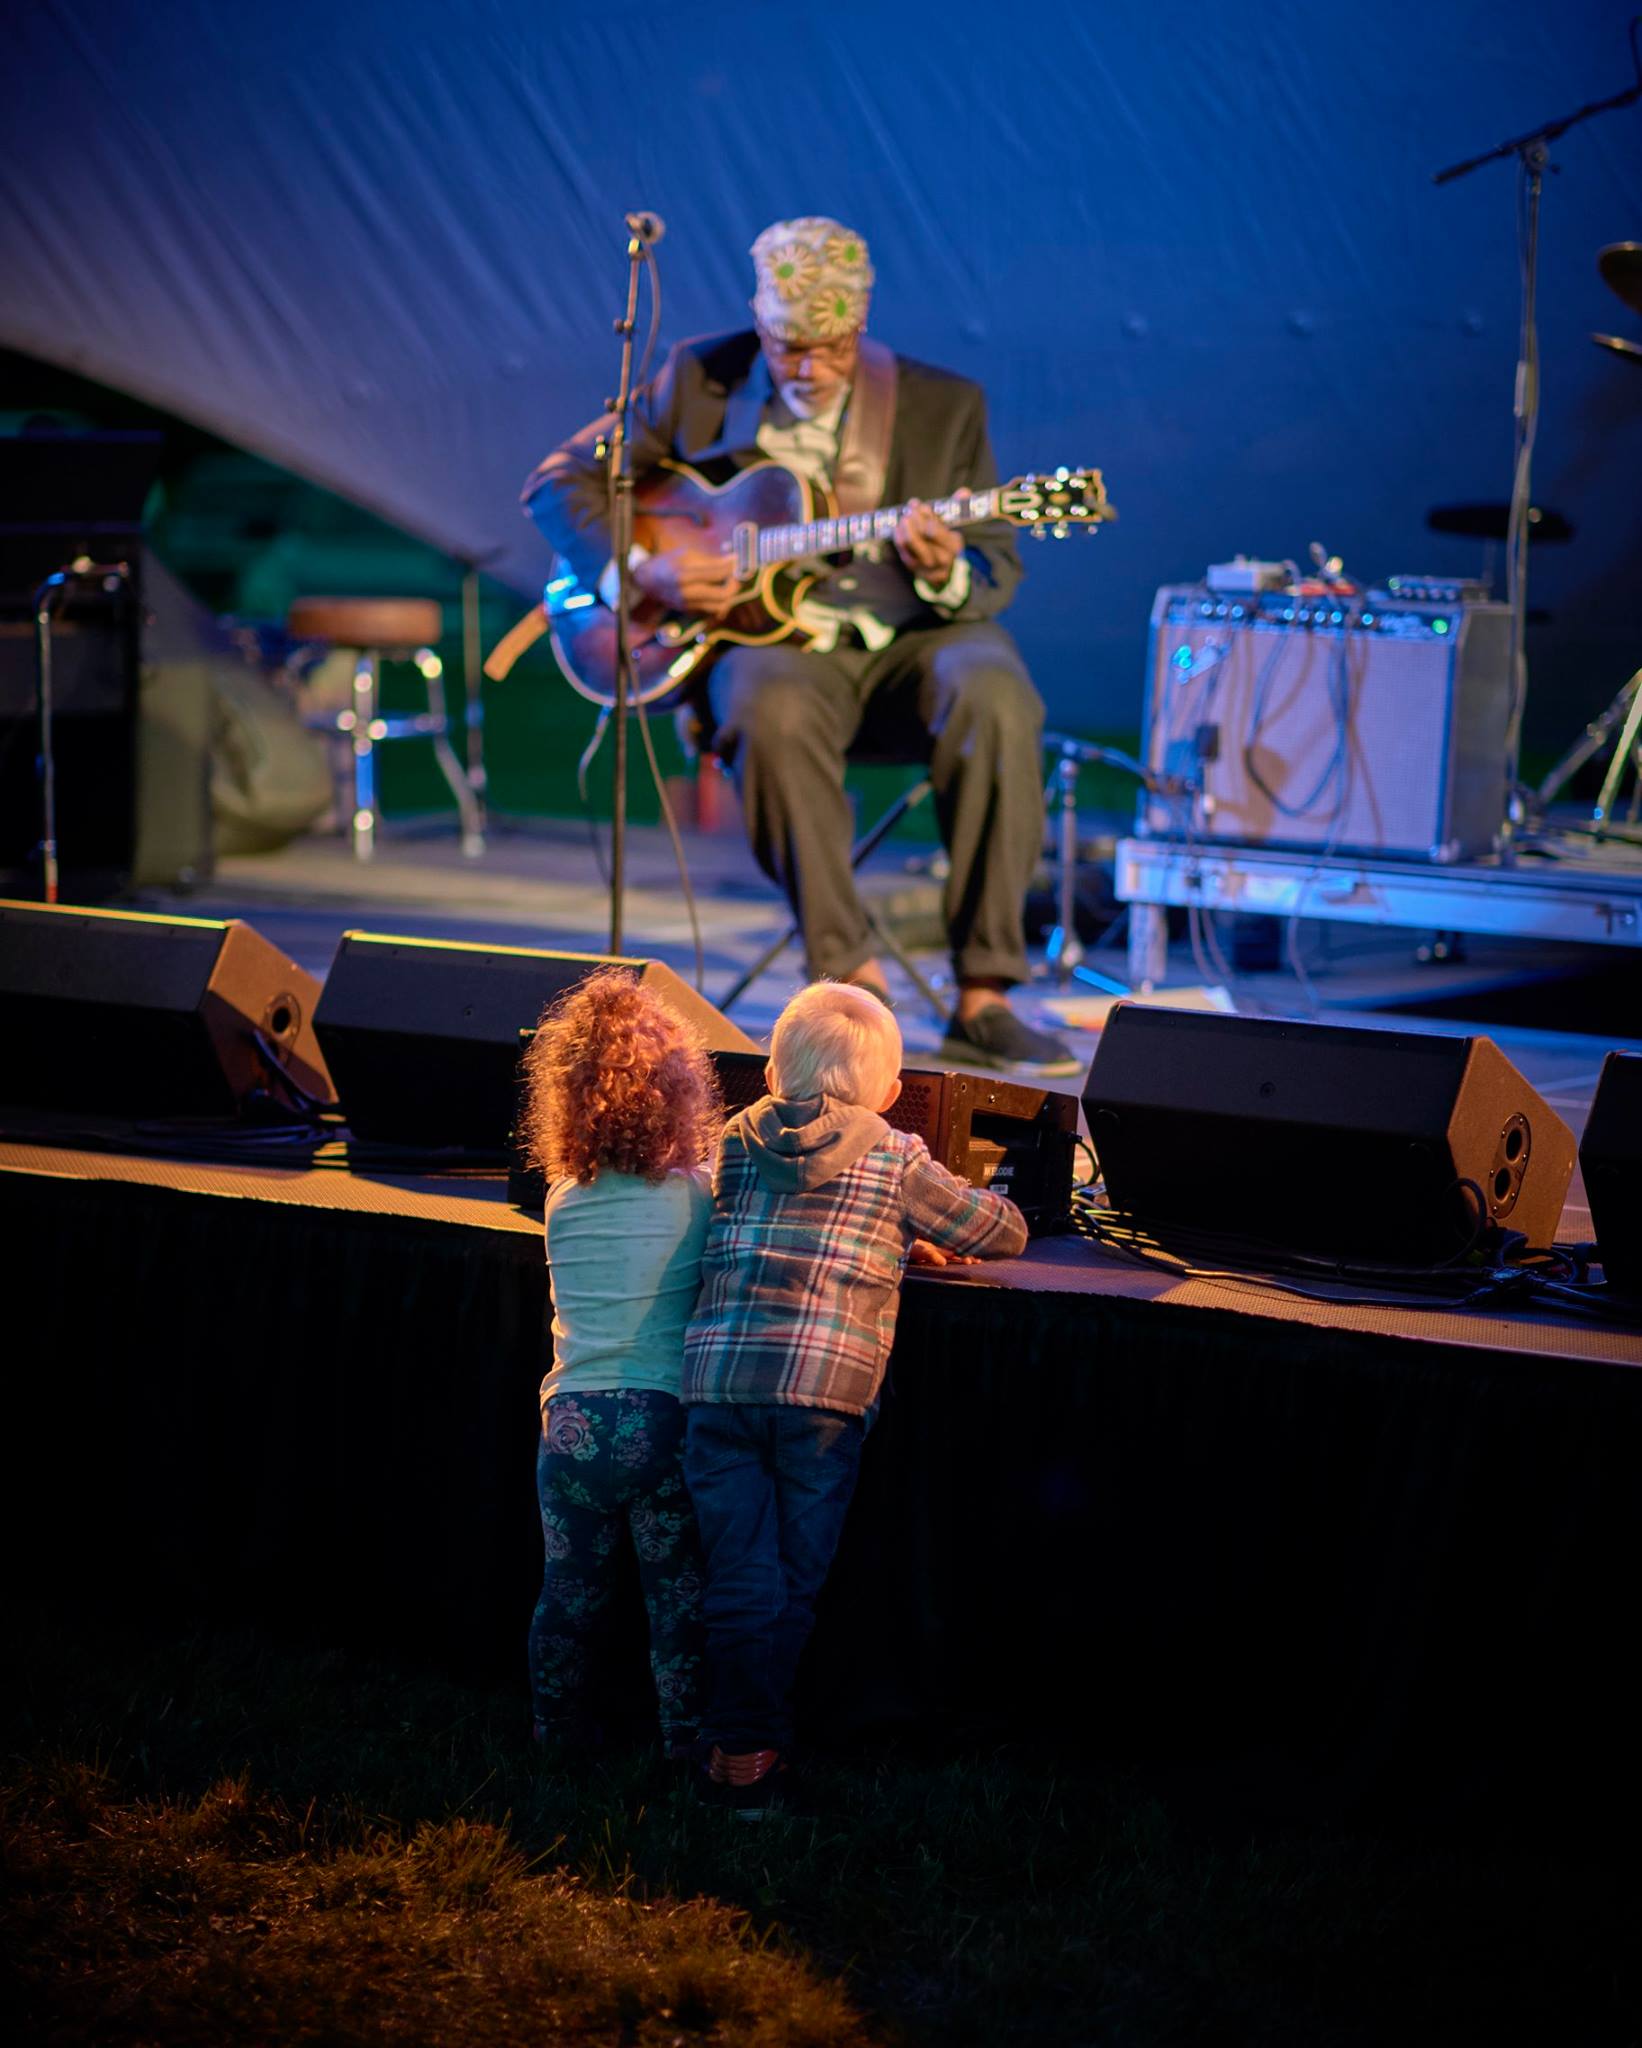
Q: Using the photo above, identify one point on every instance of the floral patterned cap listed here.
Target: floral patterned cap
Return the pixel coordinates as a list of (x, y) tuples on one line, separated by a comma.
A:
[(814, 279)]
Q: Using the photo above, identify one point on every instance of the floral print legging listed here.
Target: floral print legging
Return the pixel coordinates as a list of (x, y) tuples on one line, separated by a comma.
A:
[(605, 1460)]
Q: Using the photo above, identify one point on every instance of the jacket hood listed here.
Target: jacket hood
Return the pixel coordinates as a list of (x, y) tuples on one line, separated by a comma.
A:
[(802, 1145)]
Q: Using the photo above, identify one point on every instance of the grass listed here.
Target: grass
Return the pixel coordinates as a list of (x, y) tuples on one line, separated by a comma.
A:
[(214, 1839)]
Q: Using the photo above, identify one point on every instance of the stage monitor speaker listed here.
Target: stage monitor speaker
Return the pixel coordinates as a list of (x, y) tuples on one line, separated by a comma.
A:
[(1365, 726), (1610, 1160), (422, 1035), (1383, 1146), (110, 1012)]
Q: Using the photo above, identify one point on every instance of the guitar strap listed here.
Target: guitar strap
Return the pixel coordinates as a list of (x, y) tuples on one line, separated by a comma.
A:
[(869, 426)]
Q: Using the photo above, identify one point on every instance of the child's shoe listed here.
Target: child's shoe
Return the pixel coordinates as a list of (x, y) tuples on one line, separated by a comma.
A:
[(749, 1781)]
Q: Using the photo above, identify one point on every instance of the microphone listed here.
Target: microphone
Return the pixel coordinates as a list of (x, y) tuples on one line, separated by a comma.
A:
[(649, 227)]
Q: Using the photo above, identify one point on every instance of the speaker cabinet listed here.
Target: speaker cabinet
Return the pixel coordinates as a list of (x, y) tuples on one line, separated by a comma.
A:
[(1384, 1146), (1006, 1135), (1610, 1161), (114, 1013), (1378, 727), (422, 1035)]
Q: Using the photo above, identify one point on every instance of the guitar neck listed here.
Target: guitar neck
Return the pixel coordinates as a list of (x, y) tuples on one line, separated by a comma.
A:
[(779, 544)]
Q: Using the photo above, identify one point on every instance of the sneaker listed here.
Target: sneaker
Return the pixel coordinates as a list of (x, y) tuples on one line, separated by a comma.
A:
[(996, 1037), (750, 1782)]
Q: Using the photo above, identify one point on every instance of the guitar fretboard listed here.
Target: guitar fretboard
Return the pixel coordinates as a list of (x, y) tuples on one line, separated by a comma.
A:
[(858, 529)]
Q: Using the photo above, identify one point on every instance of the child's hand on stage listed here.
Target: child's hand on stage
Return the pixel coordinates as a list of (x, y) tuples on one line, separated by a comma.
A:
[(923, 1253)]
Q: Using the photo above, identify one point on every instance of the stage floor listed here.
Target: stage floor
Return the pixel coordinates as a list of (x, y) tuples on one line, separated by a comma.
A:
[(540, 885), (1062, 1265)]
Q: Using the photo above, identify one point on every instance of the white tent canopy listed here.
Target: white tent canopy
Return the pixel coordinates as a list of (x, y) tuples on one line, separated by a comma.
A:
[(1195, 244)]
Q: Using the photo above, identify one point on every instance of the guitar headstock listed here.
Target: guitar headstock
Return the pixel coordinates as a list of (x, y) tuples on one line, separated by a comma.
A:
[(1057, 503)]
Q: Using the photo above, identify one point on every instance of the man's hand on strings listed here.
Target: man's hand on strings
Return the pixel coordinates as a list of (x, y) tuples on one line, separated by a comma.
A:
[(926, 544), (700, 580)]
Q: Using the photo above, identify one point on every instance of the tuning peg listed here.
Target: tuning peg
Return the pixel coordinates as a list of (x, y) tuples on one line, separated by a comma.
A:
[(1038, 532), (1061, 529)]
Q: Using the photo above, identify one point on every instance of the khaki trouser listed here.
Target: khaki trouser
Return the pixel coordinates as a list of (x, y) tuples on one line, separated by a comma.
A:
[(957, 697)]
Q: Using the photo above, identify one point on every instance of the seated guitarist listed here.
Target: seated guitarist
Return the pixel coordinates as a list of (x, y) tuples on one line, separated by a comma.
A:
[(902, 651)]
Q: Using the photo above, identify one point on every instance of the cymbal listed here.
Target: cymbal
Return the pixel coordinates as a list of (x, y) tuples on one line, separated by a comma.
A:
[(1630, 350), (1491, 522), (1621, 267)]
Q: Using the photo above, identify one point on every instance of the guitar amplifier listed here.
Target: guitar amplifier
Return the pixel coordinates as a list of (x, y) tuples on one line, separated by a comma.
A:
[(1369, 725), (999, 1134)]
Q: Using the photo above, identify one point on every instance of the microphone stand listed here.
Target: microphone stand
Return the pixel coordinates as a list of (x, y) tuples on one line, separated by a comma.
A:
[(1533, 154), (1065, 951), (619, 468), (46, 598)]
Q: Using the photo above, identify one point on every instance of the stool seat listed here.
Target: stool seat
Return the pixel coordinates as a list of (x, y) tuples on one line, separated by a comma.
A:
[(381, 622), (374, 630)]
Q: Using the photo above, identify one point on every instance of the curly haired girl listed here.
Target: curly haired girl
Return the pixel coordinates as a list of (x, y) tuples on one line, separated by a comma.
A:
[(622, 1110)]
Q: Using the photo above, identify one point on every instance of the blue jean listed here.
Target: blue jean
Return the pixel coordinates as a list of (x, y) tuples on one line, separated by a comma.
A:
[(770, 1484)]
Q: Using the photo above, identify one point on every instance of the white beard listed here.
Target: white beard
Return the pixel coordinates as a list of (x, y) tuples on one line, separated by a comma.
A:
[(797, 404)]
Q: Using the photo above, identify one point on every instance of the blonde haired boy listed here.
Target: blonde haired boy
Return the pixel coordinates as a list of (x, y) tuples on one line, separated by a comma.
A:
[(817, 1203)]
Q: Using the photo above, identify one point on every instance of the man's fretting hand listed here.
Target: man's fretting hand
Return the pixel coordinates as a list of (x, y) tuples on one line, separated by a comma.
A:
[(689, 580), (926, 544)]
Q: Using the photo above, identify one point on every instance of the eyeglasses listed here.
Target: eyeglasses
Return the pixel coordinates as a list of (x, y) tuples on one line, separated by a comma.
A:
[(838, 353)]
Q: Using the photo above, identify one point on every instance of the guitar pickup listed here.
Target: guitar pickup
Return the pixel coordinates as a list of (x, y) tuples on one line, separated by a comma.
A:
[(744, 546)]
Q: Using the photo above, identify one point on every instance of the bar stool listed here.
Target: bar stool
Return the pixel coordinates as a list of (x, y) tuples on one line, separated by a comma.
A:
[(374, 630)]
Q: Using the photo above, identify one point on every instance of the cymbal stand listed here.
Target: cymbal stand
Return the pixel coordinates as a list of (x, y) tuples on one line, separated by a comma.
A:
[(1624, 714), (1532, 152)]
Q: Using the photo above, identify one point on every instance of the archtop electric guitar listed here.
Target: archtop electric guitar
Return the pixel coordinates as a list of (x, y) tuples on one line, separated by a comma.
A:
[(775, 524)]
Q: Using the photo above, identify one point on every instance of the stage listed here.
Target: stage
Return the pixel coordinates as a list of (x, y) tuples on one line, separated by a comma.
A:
[(1569, 888), (1353, 1555)]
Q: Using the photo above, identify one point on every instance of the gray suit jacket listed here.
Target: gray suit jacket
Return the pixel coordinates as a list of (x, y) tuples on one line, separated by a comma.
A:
[(703, 407)]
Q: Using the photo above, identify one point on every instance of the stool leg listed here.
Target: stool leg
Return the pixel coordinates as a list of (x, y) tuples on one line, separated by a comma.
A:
[(467, 803), (868, 843), (472, 701), (892, 945), (1148, 945), (366, 811), (726, 1002)]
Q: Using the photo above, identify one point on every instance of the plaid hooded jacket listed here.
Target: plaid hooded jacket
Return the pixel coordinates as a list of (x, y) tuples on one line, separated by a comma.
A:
[(815, 1206)]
